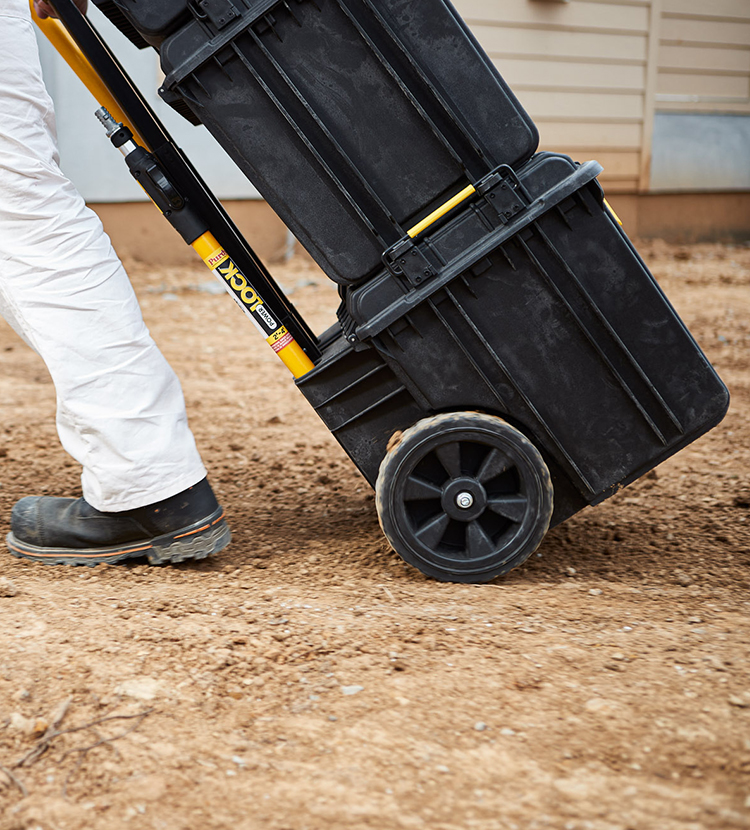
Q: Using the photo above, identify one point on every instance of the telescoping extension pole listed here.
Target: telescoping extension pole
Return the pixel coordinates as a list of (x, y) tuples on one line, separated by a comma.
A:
[(147, 171)]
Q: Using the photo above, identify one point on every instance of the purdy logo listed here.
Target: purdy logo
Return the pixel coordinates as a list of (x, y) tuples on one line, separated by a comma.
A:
[(217, 258)]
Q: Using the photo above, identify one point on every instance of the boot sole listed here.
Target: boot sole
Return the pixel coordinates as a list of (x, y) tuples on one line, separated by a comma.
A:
[(196, 541)]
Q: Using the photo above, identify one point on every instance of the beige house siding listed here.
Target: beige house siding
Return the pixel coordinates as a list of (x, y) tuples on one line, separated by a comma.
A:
[(593, 73), (580, 69), (704, 56)]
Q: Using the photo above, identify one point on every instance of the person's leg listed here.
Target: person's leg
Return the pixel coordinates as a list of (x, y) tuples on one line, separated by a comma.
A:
[(121, 413)]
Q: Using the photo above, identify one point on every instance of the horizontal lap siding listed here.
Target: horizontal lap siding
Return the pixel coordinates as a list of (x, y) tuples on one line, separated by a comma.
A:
[(579, 68), (704, 57)]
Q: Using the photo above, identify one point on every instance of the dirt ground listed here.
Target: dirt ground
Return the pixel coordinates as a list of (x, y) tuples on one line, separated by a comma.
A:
[(306, 679)]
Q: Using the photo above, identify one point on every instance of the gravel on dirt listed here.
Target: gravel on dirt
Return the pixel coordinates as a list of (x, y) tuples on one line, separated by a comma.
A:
[(602, 686)]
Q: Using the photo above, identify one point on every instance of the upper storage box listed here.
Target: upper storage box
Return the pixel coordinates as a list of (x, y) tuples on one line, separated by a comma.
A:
[(355, 119)]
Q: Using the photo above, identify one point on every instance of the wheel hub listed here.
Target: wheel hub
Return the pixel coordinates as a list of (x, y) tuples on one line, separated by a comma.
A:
[(464, 499)]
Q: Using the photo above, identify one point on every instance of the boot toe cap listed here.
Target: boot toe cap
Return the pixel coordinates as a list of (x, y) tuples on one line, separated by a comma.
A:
[(24, 519)]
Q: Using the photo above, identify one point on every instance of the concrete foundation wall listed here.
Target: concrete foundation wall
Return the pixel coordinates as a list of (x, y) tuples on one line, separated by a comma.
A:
[(137, 231), (700, 152), (685, 217)]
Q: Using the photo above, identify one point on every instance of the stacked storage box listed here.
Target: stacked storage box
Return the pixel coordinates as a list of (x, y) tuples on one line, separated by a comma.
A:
[(497, 327)]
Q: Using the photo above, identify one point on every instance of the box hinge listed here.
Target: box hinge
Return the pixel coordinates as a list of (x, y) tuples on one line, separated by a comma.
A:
[(406, 259), (503, 192), (220, 12)]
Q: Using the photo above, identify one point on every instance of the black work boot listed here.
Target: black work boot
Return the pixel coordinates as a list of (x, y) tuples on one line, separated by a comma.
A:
[(58, 531)]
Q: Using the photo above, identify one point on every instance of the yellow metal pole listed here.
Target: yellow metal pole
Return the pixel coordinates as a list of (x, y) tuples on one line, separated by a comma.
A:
[(60, 38), (281, 341)]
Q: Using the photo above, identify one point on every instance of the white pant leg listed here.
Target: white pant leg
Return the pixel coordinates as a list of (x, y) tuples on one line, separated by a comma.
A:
[(120, 410)]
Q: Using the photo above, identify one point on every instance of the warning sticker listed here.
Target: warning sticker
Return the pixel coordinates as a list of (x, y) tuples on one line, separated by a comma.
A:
[(283, 343), (277, 335)]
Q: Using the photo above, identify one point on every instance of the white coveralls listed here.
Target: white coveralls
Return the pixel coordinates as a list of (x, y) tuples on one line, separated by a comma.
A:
[(120, 410)]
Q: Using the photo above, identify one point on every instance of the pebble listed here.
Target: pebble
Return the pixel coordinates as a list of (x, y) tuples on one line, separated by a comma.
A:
[(595, 592), (507, 732), (7, 588), (742, 702), (352, 690), (571, 571), (480, 726), (598, 704), (18, 723), (140, 688), (332, 718), (684, 580), (442, 768)]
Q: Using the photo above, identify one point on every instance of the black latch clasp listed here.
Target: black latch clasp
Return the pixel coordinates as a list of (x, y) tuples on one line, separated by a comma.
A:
[(219, 12), (406, 259)]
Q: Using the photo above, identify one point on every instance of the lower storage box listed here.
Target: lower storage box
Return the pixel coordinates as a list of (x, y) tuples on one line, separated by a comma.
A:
[(550, 320)]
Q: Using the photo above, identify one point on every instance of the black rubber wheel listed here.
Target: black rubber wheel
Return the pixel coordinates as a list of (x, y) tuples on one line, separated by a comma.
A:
[(463, 497)]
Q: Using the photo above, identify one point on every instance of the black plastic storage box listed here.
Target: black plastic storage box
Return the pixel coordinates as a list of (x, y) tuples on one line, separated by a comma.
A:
[(353, 118), (503, 357), (542, 314)]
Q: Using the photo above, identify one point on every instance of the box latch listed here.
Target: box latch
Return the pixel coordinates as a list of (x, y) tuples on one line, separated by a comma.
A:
[(219, 12)]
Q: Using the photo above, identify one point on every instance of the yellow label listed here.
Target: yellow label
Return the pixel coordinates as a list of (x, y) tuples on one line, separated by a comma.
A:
[(277, 335), (212, 256)]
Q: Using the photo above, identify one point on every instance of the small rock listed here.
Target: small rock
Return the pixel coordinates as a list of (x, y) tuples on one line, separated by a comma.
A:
[(140, 688), (741, 701), (571, 571), (618, 655), (480, 726), (507, 732), (600, 705), (717, 665), (694, 620), (442, 768), (332, 718), (7, 588), (19, 723), (595, 592), (683, 579), (352, 690)]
